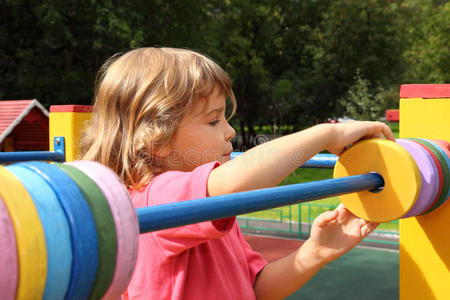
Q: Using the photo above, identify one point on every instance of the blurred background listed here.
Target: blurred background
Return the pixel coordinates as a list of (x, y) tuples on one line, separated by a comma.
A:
[(293, 63)]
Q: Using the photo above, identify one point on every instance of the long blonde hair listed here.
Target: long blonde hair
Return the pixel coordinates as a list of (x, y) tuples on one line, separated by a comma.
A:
[(140, 99)]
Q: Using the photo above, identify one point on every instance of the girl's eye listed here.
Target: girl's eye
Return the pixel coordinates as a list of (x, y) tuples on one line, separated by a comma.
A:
[(213, 123)]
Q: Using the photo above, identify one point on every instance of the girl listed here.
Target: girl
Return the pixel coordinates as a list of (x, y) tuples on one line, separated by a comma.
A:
[(159, 122)]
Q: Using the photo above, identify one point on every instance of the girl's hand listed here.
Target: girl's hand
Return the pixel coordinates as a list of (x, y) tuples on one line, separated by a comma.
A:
[(345, 134), (334, 233)]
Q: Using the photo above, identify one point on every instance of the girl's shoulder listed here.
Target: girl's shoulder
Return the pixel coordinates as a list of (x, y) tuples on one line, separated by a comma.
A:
[(174, 186)]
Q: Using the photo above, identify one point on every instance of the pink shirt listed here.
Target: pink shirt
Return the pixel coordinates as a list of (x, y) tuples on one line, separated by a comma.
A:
[(208, 260)]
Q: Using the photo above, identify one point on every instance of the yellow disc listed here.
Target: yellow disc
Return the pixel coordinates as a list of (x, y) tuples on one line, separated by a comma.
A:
[(31, 249), (402, 180)]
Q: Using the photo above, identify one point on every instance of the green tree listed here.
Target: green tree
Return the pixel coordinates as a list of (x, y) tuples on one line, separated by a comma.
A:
[(428, 38), (355, 35), (360, 103), (52, 50)]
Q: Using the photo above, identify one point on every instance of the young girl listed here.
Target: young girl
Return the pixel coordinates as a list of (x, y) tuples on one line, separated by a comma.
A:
[(159, 122)]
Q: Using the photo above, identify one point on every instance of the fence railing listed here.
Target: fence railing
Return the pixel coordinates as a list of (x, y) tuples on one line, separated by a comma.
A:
[(283, 221)]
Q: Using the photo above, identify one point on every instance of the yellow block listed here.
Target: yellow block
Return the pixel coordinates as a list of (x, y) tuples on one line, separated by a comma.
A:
[(425, 240), (69, 125), (30, 238), (401, 176)]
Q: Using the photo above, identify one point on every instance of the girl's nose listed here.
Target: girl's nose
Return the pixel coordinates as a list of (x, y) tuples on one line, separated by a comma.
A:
[(230, 132)]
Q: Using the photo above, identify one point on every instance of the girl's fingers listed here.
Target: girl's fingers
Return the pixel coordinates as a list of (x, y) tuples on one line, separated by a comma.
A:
[(367, 227), (325, 218), (344, 214), (384, 131)]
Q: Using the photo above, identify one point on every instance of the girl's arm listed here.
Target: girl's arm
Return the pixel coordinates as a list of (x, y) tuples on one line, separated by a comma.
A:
[(268, 164), (333, 233)]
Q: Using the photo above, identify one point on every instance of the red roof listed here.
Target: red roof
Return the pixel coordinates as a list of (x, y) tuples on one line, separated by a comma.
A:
[(12, 112)]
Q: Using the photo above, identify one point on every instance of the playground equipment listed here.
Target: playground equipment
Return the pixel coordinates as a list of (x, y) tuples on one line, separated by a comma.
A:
[(88, 248)]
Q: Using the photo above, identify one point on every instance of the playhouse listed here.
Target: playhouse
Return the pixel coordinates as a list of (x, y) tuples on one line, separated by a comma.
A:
[(23, 126)]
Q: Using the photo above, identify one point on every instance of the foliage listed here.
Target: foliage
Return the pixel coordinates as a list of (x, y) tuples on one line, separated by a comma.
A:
[(292, 62), (360, 103), (428, 56)]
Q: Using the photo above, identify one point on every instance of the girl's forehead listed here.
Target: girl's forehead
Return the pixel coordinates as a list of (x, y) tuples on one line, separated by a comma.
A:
[(207, 105)]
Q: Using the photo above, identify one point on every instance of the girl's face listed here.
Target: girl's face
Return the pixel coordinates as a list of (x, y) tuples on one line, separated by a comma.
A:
[(203, 136)]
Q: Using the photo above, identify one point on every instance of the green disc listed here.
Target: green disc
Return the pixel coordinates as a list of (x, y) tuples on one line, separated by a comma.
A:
[(104, 223), (445, 171)]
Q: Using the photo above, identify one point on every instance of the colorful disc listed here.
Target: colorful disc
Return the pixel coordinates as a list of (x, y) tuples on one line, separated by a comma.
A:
[(440, 173), (56, 229), (445, 170), (106, 232), (401, 176), (429, 177), (8, 258), (29, 234), (443, 143), (126, 222), (446, 154), (82, 228)]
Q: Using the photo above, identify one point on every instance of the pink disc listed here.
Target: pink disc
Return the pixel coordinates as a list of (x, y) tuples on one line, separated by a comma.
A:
[(8, 255), (125, 219), (429, 175), (444, 144)]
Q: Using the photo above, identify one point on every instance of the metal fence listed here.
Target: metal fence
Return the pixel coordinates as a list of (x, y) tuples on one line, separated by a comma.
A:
[(295, 221)]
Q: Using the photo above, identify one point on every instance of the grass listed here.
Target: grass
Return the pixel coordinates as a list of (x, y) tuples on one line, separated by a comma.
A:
[(268, 129), (394, 128)]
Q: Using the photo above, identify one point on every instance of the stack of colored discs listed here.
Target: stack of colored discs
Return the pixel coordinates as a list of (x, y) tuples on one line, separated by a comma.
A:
[(29, 234), (441, 159), (65, 235), (8, 257), (416, 174), (125, 217)]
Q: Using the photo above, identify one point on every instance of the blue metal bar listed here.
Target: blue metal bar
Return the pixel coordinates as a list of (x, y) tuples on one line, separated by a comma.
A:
[(325, 161), (31, 155), (57, 155), (165, 216)]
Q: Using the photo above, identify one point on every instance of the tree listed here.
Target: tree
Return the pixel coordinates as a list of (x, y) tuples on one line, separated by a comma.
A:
[(52, 50), (360, 103), (428, 39)]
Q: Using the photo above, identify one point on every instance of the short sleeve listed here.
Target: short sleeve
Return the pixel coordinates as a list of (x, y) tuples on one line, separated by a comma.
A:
[(175, 186), (255, 260)]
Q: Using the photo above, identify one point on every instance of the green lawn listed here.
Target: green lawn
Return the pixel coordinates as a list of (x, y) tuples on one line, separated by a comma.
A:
[(394, 128)]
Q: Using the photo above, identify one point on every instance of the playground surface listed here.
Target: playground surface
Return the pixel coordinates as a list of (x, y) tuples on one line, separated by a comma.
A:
[(363, 273)]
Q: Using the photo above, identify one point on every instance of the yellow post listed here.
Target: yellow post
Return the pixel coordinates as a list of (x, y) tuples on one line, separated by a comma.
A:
[(68, 121), (425, 240)]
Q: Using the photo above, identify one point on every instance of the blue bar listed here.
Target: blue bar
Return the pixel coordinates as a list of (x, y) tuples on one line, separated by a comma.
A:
[(324, 161), (165, 216), (31, 155)]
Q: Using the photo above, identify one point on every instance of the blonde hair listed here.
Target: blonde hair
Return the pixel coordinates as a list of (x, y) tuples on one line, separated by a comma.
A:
[(140, 99)]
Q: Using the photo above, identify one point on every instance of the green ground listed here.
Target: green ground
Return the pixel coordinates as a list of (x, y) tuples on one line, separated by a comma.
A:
[(360, 274)]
